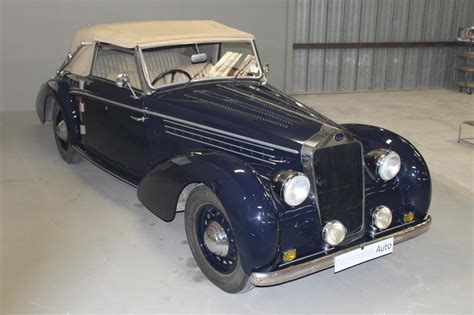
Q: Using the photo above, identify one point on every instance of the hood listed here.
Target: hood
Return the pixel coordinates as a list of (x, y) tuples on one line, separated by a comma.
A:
[(248, 109)]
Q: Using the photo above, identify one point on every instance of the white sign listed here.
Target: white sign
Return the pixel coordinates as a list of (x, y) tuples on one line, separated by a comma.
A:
[(364, 254)]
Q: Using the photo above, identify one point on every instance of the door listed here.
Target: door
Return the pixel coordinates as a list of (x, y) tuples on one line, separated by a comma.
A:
[(116, 127)]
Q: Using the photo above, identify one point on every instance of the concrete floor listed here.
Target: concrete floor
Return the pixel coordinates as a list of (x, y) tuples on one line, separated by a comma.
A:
[(75, 239)]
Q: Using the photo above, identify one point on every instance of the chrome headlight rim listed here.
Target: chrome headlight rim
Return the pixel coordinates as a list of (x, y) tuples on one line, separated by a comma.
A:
[(380, 225), (376, 160), (328, 227), (283, 181)]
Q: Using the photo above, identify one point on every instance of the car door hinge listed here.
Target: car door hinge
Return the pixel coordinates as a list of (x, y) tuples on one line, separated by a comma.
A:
[(82, 129), (81, 105)]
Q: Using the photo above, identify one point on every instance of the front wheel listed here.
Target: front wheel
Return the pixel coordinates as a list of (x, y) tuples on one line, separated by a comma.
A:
[(61, 135), (212, 242)]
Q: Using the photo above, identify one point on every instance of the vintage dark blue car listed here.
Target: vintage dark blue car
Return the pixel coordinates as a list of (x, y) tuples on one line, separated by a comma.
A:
[(271, 190)]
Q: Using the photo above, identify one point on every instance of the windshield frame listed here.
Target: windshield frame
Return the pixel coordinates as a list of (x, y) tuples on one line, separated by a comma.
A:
[(154, 89)]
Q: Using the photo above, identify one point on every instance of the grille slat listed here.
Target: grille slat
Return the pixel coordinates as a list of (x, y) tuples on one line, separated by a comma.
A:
[(339, 184)]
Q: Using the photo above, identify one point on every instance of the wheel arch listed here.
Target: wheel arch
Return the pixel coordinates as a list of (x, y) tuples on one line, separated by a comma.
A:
[(249, 206), (58, 90)]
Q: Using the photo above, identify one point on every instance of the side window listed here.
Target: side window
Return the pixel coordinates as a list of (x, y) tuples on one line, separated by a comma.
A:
[(110, 62)]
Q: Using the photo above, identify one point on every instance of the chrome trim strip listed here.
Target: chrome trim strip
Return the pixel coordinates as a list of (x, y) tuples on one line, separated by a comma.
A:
[(392, 228), (145, 111), (88, 158), (312, 266), (182, 125), (226, 133), (213, 139), (216, 146), (74, 91)]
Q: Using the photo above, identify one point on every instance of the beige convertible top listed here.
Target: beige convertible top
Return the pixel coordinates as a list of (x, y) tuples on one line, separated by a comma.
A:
[(147, 34)]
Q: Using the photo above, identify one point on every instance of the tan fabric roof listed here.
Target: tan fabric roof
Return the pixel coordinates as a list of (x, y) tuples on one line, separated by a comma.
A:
[(154, 33)]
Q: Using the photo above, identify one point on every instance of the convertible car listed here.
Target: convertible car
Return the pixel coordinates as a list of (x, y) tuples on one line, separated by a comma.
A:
[(271, 190)]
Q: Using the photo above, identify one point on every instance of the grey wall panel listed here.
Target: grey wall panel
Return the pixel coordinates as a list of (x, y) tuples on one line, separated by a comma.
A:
[(316, 66), (348, 74), (365, 60), (365, 64), (316, 58), (380, 69), (430, 20), (425, 67), (334, 34), (398, 33), (368, 20), (471, 13), (445, 22), (401, 10), (410, 68), (301, 35), (461, 15), (299, 70), (349, 57), (384, 20), (335, 21), (439, 70), (415, 20), (331, 70), (342, 21), (395, 63)]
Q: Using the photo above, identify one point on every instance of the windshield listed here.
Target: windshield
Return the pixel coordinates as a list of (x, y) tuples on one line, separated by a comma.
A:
[(203, 61)]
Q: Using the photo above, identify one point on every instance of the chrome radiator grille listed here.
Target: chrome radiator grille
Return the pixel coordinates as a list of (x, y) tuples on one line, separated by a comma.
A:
[(338, 174)]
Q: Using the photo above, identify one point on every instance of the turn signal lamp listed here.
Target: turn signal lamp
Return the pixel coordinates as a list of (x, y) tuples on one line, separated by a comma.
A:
[(289, 255), (408, 217)]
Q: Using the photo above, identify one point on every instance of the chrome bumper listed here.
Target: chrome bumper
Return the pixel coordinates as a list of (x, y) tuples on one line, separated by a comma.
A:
[(312, 266)]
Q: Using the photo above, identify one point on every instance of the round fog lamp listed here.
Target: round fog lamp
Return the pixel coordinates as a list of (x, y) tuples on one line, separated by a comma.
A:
[(334, 232), (382, 217)]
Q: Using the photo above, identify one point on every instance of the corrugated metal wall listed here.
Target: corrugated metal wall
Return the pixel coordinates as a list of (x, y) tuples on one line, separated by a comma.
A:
[(349, 21)]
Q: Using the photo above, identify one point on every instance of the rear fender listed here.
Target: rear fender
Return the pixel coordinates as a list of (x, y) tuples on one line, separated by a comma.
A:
[(246, 200), (58, 90)]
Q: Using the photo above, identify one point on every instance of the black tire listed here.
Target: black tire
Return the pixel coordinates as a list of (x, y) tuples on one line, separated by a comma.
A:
[(65, 148), (231, 279)]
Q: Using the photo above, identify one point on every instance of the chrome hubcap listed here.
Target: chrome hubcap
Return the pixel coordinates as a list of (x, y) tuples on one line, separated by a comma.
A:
[(216, 239), (61, 130)]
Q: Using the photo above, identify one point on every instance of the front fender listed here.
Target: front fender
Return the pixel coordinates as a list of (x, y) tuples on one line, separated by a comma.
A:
[(248, 203), (59, 90), (411, 189)]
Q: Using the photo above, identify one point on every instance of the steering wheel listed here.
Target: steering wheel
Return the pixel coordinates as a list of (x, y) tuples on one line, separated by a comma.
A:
[(173, 73)]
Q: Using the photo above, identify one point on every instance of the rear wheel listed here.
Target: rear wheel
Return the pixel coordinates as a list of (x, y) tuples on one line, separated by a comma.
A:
[(211, 239), (61, 135)]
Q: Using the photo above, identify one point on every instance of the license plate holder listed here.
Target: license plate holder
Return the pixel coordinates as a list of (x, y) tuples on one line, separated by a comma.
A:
[(363, 254)]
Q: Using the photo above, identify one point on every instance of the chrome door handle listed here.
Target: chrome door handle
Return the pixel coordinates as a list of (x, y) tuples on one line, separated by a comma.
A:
[(139, 119)]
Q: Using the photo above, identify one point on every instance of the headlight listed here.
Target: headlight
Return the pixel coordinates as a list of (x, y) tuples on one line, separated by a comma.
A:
[(293, 187), (334, 232), (382, 217), (384, 163)]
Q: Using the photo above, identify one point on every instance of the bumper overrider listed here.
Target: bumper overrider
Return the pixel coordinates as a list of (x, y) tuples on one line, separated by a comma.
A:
[(306, 268)]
